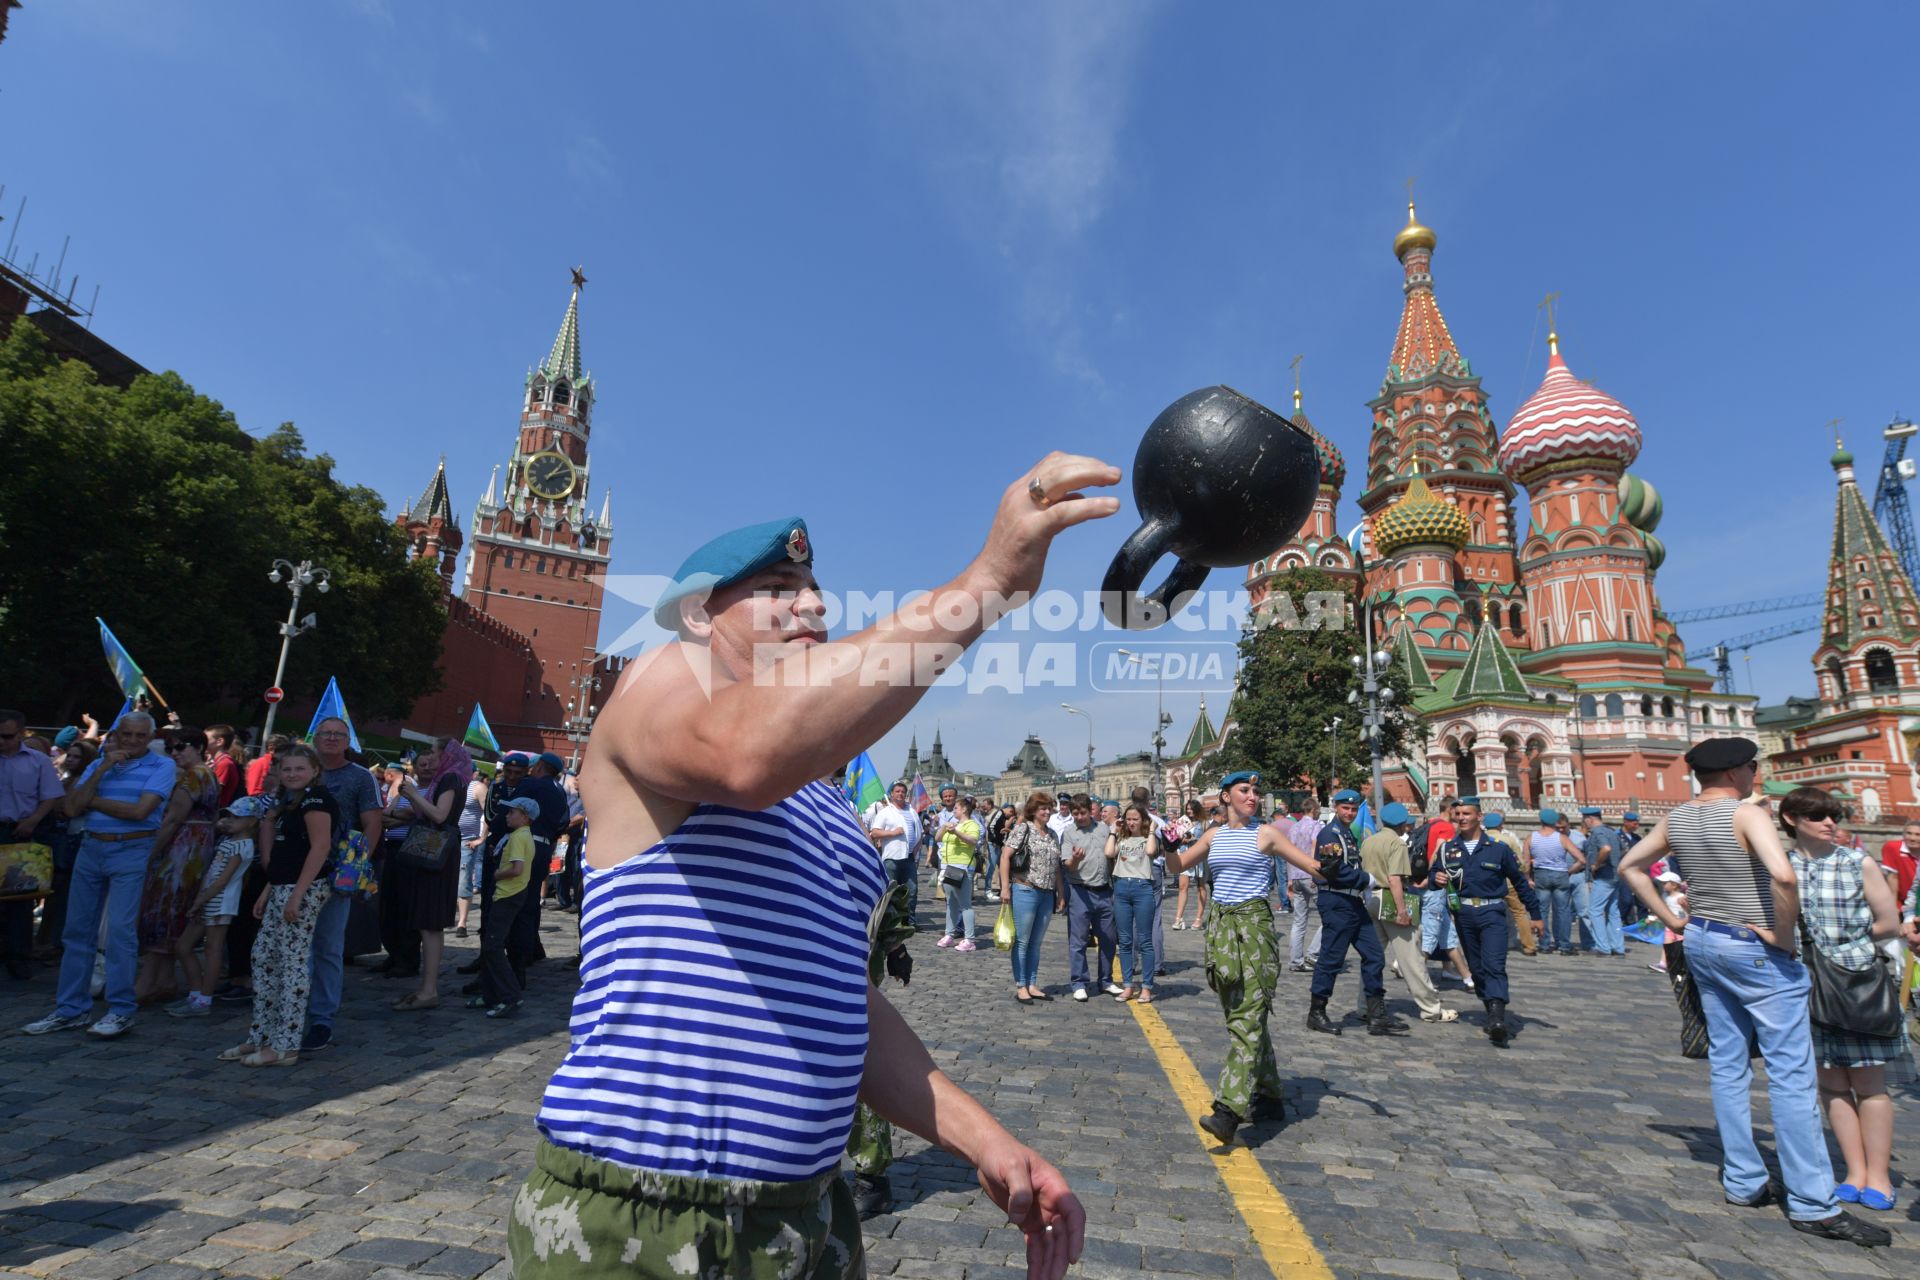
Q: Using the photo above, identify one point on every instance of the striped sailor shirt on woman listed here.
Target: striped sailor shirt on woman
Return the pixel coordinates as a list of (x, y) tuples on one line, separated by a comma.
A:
[(1241, 872), (720, 1029)]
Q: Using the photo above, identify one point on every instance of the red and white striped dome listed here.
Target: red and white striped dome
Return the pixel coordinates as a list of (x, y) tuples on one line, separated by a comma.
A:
[(1567, 423)]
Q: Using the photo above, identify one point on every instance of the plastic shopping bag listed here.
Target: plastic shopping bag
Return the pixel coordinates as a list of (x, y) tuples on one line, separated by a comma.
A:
[(1003, 928)]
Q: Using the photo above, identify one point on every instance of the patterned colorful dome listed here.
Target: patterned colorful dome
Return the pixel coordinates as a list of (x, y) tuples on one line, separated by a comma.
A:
[(1640, 504), (1420, 517), (1333, 467), (1566, 424), (1656, 552)]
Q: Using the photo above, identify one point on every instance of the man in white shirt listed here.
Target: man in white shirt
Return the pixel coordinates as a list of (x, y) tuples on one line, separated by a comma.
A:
[(895, 828), (1062, 814)]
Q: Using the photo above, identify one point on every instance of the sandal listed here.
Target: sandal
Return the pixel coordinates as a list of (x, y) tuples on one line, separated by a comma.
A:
[(412, 1003), (260, 1059), (239, 1052), (1145, 997), (1125, 994), (1023, 997), (1039, 994)]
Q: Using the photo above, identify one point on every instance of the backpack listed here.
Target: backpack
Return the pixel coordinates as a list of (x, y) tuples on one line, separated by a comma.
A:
[(353, 870)]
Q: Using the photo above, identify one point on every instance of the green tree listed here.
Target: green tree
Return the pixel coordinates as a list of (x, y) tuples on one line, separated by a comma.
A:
[(1295, 677), (151, 508)]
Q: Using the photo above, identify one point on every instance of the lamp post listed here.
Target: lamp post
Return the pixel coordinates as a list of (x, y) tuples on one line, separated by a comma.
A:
[(1374, 697), (1160, 722), (298, 578), (1067, 706), (1333, 752), (580, 715), (1639, 781)]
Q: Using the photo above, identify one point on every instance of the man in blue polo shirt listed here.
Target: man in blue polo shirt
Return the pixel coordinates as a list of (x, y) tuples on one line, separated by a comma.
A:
[(1604, 849), (123, 795)]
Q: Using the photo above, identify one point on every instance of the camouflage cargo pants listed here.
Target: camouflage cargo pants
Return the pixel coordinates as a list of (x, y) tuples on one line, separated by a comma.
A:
[(1243, 965), (870, 1144), (581, 1217)]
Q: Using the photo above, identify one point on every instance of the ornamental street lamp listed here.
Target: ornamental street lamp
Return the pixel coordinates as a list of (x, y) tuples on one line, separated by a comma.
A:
[(298, 578), (580, 715), (1160, 722), (1375, 698), (1069, 707), (1333, 753)]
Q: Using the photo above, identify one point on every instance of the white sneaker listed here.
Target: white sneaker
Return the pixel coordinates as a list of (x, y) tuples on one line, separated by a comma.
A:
[(111, 1026), (1114, 988), (1080, 994), (54, 1022)]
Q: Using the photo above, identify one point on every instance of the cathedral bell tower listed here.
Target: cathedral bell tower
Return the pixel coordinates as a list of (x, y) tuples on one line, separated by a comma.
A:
[(539, 554)]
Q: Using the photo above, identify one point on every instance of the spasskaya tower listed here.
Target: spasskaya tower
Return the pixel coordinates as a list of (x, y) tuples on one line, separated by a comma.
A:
[(538, 555)]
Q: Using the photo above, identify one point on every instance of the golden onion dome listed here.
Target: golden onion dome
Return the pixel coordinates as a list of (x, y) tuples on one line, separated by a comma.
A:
[(1413, 236), (1420, 517)]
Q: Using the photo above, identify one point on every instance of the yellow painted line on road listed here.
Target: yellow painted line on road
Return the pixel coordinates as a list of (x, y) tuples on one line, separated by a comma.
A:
[(1282, 1240)]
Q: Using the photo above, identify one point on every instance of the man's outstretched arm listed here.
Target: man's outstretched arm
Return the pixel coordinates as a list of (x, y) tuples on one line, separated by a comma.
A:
[(904, 1087)]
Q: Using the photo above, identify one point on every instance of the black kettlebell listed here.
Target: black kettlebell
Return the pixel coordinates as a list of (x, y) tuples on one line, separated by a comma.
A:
[(1220, 479)]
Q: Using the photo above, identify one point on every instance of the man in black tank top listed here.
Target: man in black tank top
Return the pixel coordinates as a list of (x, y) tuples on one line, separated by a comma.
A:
[(1746, 901)]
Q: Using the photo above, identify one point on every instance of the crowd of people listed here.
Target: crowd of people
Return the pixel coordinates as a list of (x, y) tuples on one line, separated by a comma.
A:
[(1457, 889), (185, 874)]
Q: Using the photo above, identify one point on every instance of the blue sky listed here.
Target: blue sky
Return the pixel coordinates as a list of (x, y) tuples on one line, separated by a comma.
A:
[(865, 262)]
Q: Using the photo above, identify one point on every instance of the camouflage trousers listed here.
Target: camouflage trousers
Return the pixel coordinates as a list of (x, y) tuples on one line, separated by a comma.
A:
[(1243, 966), (581, 1217), (870, 1145)]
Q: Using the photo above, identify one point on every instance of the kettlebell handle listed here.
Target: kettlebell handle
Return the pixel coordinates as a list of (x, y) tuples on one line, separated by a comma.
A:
[(1118, 591)]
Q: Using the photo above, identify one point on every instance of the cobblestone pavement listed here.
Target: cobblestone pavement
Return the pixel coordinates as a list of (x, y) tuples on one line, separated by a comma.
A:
[(1587, 1149)]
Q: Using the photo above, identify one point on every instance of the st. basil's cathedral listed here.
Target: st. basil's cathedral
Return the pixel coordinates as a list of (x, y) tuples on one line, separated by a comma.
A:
[(1538, 654)]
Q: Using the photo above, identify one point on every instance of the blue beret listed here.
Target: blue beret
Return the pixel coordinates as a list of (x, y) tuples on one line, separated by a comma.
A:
[(553, 762), (734, 557), (1590, 811), (1549, 816), (1496, 820), (1472, 800), (1629, 816), (1395, 814), (66, 737), (1346, 797), (1239, 775), (516, 757)]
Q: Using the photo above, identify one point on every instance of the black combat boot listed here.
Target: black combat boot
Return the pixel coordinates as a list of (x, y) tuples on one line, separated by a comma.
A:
[(872, 1194), (1317, 1019), (1378, 1023), (1497, 1022), (1221, 1124), (1266, 1109)]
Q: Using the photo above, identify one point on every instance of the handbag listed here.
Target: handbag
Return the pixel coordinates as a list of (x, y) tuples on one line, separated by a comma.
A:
[(954, 873), (1003, 928), (26, 870), (426, 848), (1861, 1002), (1017, 860), (1693, 1019), (353, 869)]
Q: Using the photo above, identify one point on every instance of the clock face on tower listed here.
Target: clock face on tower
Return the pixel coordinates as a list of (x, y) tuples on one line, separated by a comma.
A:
[(550, 475)]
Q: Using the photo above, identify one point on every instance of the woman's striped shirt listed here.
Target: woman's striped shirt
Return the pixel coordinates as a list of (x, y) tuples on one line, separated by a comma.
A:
[(720, 1030), (1241, 872)]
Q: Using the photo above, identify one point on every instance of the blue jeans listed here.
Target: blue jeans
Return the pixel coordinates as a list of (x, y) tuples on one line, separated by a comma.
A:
[(470, 863), (1603, 915), (1748, 988), (1581, 885), (107, 874), (960, 908), (1556, 905), (1133, 918), (905, 872), (1436, 923), (1089, 908), (1032, 912), (1304, 896), (329, 963), (1159, 899)]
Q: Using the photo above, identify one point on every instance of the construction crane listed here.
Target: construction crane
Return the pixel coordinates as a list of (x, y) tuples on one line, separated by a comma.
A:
[(1890, 496), (1779, 604), (1722, 652)]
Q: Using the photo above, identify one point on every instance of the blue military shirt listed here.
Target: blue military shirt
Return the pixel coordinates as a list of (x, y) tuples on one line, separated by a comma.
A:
[(1483, 868), (1339, 855), (1610, 839)]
